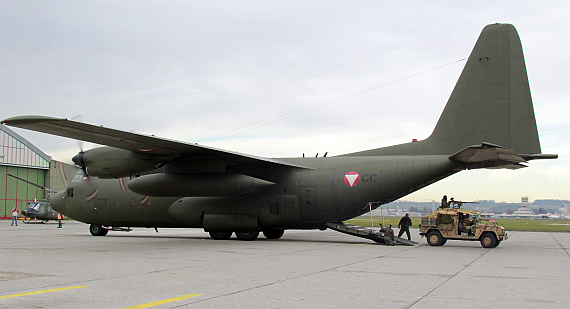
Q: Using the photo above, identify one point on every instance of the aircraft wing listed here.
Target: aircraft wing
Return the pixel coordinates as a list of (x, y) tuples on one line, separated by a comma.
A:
[(136, 142)]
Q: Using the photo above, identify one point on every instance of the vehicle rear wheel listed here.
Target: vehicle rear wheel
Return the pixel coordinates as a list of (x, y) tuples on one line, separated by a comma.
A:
[(249, 235), (488, 240), (97, 230), (273, 233), (220, 235), (434, 238)]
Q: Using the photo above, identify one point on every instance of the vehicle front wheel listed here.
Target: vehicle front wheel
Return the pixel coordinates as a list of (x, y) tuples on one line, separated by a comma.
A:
[(273, 233), (488, 240), (97, 230), (220, 235), (434, 238), (249, 236)]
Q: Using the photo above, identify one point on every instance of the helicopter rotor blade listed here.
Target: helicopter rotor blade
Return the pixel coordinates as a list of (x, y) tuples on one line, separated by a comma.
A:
[(31, 183)]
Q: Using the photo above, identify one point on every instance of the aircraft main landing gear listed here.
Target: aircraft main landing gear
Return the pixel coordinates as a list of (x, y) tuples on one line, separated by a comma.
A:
[(249, 236), (273, 233), (220, 235)]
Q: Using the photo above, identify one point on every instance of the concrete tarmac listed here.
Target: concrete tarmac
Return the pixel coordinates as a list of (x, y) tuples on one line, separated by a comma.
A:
[(43, 266)]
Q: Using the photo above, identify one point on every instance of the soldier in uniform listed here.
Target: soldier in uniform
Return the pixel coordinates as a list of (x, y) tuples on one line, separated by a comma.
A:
[(404, 226), (467, 224), (444, 203), (389, 236)]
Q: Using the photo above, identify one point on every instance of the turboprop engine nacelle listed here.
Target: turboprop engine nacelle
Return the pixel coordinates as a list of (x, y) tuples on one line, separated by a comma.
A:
[(108, 162), (211, 184)]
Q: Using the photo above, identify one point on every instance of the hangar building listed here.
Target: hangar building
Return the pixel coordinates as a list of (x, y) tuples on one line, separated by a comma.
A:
[(21, 159)]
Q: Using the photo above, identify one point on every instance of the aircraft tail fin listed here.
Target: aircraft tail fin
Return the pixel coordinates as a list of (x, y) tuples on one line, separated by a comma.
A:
[(490, 104)]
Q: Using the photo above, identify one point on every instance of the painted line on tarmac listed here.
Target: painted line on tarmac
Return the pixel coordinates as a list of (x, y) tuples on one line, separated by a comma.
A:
[(446, 280), (44, 291), (165, 301), (560, 245)]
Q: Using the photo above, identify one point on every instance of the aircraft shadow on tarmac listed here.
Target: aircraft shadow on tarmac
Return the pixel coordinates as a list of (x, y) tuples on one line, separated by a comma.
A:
[(233, 239)]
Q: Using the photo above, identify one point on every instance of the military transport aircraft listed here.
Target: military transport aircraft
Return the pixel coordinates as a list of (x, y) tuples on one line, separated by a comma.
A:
[(146, 181)]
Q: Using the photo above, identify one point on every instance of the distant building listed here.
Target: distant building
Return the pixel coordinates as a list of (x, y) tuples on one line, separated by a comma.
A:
[(18, 157), (524, 211)]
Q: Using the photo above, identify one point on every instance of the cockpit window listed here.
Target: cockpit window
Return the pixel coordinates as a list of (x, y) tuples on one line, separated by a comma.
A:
[(35, 206), (79, 176)]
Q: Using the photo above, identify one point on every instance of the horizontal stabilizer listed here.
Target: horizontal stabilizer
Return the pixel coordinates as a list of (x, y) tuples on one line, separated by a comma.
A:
[(509, 167), (488, 156)]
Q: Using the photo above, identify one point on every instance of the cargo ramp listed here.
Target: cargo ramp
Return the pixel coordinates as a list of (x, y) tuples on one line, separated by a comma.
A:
[(366, 232)]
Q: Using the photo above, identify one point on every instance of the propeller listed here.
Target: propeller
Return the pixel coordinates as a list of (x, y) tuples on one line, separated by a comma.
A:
[(79, 159)]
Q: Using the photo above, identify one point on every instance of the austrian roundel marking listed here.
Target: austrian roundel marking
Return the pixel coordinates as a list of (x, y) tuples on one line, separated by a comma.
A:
[(351, 178)]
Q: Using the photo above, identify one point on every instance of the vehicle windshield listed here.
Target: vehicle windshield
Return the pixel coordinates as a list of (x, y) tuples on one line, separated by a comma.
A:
[(35, 206)]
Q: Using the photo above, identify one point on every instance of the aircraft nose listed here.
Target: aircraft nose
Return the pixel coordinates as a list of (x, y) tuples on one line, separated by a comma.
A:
[(58, 202), (26, 212)]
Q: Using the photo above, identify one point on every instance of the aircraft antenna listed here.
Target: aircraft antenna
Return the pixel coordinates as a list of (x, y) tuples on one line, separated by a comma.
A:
[(268, 121)]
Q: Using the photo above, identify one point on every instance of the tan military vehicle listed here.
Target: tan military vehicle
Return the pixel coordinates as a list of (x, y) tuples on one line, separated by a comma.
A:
[(460, 224)]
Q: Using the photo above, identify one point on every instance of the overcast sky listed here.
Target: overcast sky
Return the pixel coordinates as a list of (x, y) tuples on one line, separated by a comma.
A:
[(280, 78)]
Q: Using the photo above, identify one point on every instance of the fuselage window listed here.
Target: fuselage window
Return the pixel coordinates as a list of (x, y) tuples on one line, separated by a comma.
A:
[(274, 209)]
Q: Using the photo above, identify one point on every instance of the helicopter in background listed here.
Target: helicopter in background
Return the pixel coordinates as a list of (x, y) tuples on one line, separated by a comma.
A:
[(41, 211)]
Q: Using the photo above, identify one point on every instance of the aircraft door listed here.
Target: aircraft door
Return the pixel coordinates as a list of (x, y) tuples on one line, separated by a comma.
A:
[(96, 211), (308, 204), (50, 213), (287, 209)]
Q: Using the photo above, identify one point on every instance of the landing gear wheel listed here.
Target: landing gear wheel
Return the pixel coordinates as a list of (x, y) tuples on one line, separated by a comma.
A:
[(489, 240), (434, 238), (97, 230), (220, 235), (249, 236), (273, 233)]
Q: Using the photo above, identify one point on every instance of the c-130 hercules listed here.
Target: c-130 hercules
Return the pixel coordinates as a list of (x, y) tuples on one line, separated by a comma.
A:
[(146, 181)]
